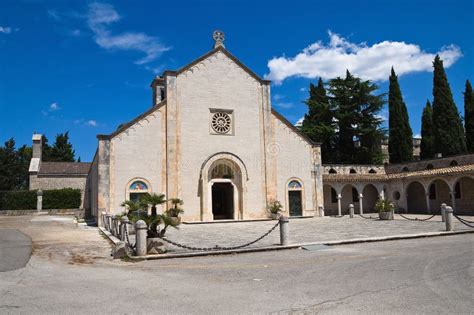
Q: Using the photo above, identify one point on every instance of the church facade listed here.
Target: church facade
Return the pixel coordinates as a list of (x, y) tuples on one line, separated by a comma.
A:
[(213, 140)]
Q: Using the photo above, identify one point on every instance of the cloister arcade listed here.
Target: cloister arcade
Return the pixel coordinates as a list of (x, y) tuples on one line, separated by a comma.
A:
[(410, 194)]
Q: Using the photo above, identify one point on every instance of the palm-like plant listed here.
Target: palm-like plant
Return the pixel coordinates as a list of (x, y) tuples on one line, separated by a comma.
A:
[(384, 205), (154, 222), (131, 206), (175, 210), (152, 200)]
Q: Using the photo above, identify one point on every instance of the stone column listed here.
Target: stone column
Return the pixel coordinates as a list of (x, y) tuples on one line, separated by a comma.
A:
[(140, 230), (443, 212), (339, 210), (284, 231), (39, 200), (361, 203), (427, 196), (123, 228), (449, 219)]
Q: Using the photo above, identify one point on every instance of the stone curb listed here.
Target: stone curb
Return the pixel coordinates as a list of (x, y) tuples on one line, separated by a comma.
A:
[(115, 240)]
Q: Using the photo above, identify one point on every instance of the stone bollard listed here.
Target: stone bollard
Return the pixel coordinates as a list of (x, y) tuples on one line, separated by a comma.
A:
[(141, 232), (123, 228), (284, 231), (449, 219), (351, 210), (39, 200), (108, 222), (443, 212), (321, 211)]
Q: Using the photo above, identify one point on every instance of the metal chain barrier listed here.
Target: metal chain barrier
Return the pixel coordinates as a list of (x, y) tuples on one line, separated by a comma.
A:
[(126, 236), (368, 218), (416, 219), (221, 247), (464, 221)]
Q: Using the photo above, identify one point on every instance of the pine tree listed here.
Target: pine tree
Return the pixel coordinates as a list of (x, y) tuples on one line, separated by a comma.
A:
[(356, 110), (318, 123), (62, 150), (46, 154), (427, 150), (400, 141), (448, 129), (469, 117), (24, 157)]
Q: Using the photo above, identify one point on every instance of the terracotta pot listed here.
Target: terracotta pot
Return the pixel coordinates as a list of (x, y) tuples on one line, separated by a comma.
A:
[(176, 220), (386, 215), (275, 216), (156, 245)]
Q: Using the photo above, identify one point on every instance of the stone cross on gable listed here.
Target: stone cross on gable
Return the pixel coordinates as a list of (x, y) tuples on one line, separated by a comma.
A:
[(219, 38)]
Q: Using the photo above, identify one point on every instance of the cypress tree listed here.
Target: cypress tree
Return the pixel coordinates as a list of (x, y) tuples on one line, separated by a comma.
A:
[(318, 124), (448, 129), (400, 141), (469, 117), (62, 150), (427, 150)]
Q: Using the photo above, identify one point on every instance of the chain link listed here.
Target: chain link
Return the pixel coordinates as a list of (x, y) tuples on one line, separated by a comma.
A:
[(220, 247), (416, 219), (368, 218), (463, 221)]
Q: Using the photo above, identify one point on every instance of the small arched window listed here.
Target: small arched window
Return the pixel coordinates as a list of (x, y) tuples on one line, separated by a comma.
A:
[(294, 185), (137, 189), (405, 169), (454, 163), (429, 166), (352, 171), (372, 171), (332, 171)]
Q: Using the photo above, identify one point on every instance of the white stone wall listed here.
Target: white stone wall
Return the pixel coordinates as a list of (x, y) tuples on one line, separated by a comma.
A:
[(294, 161), (218, 82), (136, 153)]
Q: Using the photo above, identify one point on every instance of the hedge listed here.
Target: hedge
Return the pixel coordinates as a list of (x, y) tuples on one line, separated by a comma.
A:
[(66, 198), (18, 200)]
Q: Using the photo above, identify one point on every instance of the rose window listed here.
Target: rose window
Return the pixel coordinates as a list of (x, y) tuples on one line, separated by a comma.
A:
[(221, 122)]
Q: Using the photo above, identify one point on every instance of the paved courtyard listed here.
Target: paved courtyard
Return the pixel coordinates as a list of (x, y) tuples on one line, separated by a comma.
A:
[(304, 230)]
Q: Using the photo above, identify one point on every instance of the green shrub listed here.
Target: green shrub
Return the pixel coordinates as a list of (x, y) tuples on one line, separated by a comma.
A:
[(67, 198), (18, 200)]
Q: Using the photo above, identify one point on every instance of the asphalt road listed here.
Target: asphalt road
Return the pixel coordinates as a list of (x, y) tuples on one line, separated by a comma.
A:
[(431, 276), (15, 249)]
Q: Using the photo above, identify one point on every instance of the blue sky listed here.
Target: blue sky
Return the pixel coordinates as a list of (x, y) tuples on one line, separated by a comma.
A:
[(85, 67)]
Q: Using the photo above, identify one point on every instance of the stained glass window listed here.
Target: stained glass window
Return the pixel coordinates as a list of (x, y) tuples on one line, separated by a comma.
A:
[(138, 186), (294, 185)]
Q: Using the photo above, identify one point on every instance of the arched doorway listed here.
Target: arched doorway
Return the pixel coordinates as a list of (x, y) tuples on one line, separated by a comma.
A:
[(438, 193), (225, 182), (371, 195), (416, 199), (350, 195), (464, 196), (295, 198)]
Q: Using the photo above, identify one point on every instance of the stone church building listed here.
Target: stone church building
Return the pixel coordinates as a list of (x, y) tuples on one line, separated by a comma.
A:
[(212, 139)]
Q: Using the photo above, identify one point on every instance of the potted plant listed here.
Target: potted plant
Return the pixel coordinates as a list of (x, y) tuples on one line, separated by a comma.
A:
[(175, 210), (152, 200), (275, 207), (385, 209), (157, 226)]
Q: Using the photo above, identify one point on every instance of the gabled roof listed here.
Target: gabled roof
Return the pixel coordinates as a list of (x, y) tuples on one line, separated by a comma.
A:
[(210, 53), (132, 122), (64, 168), (294, 129)]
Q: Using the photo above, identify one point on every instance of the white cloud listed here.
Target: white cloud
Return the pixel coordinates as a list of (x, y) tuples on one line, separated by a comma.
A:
[(91, 123), (54, 107), (418, 136), (284, 105), (278, 97), (303, 89), (101, 15), (75, 32), (5, 29), (369, 62), (54, 15), (299, 123)]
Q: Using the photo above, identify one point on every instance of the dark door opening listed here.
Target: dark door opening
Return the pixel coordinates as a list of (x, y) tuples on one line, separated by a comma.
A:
[(223, 201), (294, 199)]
